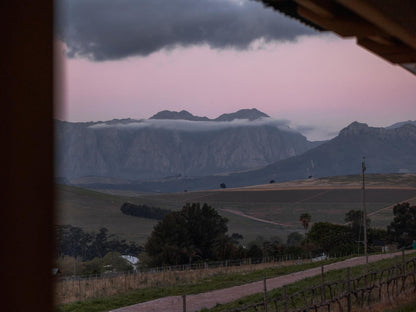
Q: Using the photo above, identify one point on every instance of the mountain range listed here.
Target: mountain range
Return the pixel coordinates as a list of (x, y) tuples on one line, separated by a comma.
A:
[(176, 151), (173, 144)]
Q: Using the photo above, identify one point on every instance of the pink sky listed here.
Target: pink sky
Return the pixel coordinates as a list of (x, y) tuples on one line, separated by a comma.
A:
[(319, 81)]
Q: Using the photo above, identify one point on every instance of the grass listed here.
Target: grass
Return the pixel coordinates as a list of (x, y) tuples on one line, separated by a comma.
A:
[(220, 281), (217, 281), (331, 276), (409, 305), (91, 210)]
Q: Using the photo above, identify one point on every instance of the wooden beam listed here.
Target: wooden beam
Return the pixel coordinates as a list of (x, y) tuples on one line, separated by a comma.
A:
[(375, 16), (344, 24), (323, 8), (397, 53)]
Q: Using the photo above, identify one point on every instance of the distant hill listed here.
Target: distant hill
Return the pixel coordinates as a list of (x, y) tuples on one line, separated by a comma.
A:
[(266, 210), (385, 151), (172, 144)]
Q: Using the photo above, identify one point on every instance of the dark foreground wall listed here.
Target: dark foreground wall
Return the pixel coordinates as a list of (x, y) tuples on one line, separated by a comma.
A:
[(26, 212)]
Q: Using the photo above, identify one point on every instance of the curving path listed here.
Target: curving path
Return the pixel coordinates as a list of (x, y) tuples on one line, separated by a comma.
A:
[(210, 299)]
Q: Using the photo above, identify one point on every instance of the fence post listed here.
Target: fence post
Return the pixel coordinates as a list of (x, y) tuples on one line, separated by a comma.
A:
[(265, 294), (349, 289), (323, 285), (396, 281), (395, 261), (184, 302), (285, 297), (403, 269)]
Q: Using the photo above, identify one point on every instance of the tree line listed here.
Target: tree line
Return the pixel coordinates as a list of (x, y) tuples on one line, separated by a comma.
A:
[(144, 211), (341, 239), (75, 242), (199, 233)]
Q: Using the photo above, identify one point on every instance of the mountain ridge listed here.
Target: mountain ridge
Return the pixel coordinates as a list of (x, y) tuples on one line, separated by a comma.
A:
[(249, 114), (139, 150), (385, 151)]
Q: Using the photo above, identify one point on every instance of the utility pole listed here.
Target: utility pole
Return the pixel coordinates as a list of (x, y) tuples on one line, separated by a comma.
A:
[(364, 212)]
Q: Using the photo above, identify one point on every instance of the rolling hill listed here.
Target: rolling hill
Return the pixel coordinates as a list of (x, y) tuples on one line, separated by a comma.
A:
[(265, 210)]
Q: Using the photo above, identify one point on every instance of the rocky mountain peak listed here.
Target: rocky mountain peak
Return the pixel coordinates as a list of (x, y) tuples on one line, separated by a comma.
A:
[(182, 115), (250, 114), (354, 129)]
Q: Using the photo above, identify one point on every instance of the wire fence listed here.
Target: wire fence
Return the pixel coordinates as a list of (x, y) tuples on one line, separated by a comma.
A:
[(364, 290), (78, 288), (82, 287)]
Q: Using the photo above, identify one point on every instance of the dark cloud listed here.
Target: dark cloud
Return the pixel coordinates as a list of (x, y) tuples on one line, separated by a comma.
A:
[(114, 29)]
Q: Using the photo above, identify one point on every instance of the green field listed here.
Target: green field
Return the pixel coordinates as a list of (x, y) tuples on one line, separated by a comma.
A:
[(268, 210)]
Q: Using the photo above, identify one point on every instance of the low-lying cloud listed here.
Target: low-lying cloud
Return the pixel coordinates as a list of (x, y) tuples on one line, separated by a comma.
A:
[(316, 133), (115, 29), (194, 126)]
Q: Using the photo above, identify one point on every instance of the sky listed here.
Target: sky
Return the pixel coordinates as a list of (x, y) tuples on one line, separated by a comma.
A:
[(132, 59)]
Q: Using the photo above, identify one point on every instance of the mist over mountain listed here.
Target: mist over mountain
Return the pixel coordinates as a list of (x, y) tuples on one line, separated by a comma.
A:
[(173, 144), (182, 115), (247, 114), (386, 150), (399, 124)]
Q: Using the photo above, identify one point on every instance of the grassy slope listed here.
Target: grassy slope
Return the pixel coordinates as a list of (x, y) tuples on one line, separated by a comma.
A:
[(325, 199), (93, 210), (211, 283), (224, 281)]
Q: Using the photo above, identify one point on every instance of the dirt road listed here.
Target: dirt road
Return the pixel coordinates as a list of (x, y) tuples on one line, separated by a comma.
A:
[(210, 299)]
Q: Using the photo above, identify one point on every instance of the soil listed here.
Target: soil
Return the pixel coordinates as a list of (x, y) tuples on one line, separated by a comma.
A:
[(222, 296)]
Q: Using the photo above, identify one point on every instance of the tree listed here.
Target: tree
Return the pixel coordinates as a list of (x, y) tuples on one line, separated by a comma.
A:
[(305, 218), (73, 241), (403, 227), (355, 220), (255, 252), (143, 211), (192, 232), (294, 239), (115, 262), (332, 238), (236, 238), (93, 267)]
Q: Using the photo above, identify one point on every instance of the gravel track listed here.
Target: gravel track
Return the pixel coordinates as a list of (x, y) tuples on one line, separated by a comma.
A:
[(222, 296)]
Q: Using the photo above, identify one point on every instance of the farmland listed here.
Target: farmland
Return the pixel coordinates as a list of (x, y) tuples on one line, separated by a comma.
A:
[(266, 210)]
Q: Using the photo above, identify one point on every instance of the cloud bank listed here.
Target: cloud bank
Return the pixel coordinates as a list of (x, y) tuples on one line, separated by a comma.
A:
[(195, 126), (115, 29)]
